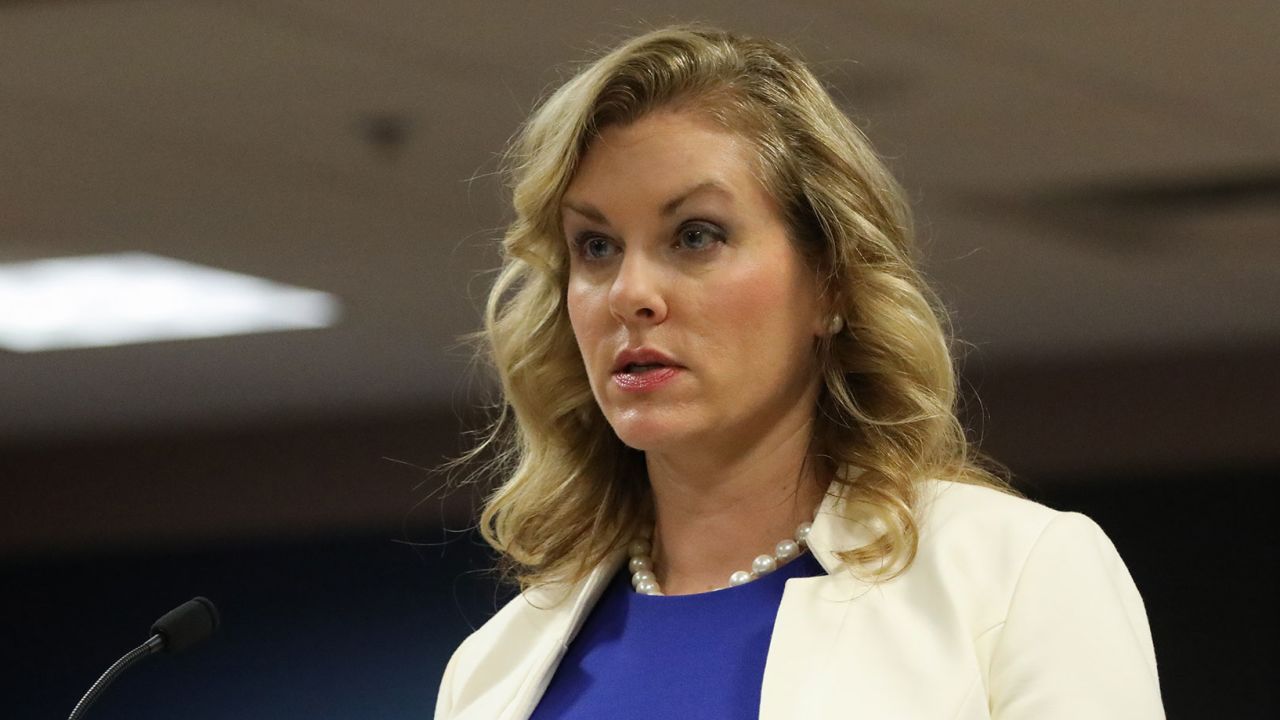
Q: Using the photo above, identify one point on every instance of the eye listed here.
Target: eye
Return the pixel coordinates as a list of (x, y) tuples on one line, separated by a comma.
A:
[(698, 236), (593, 247)]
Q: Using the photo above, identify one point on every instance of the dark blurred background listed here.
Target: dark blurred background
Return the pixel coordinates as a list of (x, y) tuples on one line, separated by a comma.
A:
[(1098, 194)]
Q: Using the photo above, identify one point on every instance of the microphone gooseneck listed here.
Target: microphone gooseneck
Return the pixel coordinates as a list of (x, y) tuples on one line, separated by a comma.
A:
[(129, 660), (188, 624)]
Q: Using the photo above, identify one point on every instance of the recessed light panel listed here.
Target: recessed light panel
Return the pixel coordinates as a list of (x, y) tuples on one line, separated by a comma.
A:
[(126, 298)]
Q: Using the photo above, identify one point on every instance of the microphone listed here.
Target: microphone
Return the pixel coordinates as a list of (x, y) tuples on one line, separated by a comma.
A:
[(189, 624)]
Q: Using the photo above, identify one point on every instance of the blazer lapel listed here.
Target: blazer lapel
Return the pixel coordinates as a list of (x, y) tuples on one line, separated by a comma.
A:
[(843, 647), (812, 617), (564, 609)]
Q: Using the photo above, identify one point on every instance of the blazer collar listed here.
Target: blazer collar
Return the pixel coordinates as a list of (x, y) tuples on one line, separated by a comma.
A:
[(837, 526)]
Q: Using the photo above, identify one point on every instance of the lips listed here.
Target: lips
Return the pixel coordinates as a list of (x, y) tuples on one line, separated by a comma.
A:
[(640, 360), (643, 370), (645, 380)]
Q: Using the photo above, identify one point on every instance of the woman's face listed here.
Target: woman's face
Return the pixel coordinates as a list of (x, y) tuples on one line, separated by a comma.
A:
[(694, 313)]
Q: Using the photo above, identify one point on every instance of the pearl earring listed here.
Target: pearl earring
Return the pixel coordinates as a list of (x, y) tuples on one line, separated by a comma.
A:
[(835, 325)]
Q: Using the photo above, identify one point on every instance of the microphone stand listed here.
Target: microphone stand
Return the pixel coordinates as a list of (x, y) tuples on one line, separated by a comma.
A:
[(153, 645)]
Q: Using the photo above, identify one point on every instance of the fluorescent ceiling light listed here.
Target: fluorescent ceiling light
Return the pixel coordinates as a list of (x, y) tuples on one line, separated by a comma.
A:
[(126, 298)]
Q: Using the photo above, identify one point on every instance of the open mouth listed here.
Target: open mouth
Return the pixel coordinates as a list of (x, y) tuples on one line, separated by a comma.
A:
[(641, 368)]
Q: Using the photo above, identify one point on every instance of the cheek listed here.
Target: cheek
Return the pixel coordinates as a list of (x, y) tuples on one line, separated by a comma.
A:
[(759, 321), (756, 298), (583, 316)]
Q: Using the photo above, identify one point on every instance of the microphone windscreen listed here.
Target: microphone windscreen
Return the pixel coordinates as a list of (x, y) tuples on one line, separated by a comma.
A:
[(188, 624)]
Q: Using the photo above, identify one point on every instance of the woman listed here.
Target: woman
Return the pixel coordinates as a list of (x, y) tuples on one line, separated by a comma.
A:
[(733, 481)]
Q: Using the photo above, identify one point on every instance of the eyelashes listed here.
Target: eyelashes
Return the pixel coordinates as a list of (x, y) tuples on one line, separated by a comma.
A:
[(591, 246), (706, 232)]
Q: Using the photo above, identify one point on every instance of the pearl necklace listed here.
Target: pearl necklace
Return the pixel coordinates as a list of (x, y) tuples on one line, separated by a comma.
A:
[(646, 583)]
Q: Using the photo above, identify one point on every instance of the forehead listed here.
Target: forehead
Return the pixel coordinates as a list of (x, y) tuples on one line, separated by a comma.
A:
[(662, 152)]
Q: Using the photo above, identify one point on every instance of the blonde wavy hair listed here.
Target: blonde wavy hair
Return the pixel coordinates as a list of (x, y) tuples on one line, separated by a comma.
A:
[(568, 492)]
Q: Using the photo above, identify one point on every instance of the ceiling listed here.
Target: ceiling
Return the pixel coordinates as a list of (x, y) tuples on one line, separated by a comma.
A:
[(1067, 162)]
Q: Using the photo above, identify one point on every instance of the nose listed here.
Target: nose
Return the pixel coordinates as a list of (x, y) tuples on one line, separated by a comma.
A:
[(637, 296)]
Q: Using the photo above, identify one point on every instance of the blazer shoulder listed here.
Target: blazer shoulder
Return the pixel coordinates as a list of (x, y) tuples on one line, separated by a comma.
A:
[(974, 543), (1058, 625), (977, 510), (995, 529)]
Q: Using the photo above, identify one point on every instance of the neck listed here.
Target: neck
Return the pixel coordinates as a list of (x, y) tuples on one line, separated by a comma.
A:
[(715, 512)]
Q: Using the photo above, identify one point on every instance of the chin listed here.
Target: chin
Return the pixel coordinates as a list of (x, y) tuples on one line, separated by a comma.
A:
[(649, 431)]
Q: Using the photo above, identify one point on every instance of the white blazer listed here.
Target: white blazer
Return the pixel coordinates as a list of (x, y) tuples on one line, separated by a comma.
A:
[(1010, 611)]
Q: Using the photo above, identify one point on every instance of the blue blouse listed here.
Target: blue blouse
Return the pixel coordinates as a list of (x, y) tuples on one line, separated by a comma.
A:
[(683, 656)]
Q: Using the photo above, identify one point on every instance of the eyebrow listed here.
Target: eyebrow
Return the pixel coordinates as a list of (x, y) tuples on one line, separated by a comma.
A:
[(668, 208)]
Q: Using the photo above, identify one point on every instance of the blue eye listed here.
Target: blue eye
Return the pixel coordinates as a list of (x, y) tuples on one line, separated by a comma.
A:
[(698, 236), (593, 247)]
